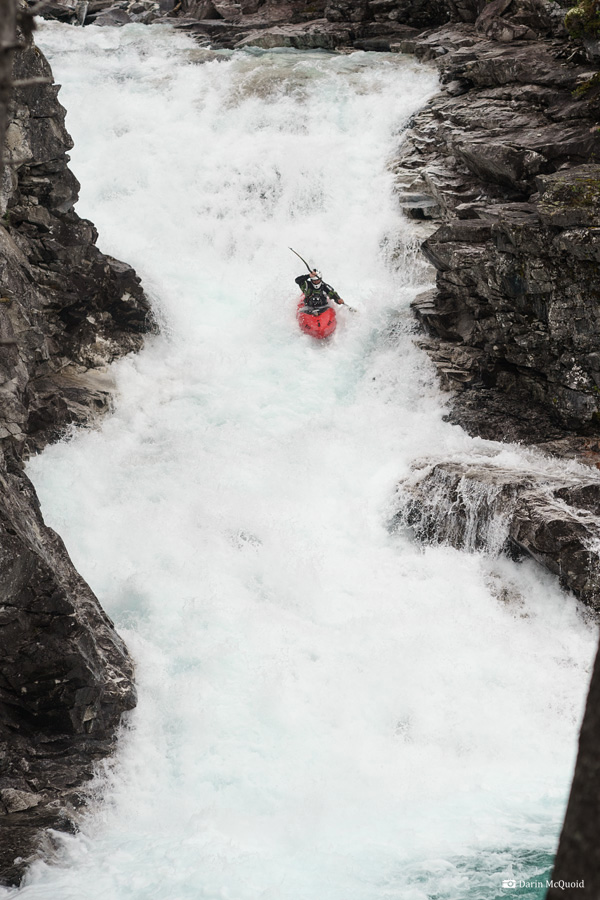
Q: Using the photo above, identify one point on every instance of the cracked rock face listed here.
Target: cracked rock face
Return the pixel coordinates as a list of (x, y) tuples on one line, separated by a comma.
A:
[(505, 157), (66, 311)]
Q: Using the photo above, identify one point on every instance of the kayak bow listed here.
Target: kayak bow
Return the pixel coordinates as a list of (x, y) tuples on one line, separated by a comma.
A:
[(318, 326)]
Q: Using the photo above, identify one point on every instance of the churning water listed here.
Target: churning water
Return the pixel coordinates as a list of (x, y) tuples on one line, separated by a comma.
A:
[(325, 709)]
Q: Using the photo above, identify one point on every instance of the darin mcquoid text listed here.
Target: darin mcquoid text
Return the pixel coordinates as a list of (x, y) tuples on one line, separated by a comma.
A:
[(558, 885)]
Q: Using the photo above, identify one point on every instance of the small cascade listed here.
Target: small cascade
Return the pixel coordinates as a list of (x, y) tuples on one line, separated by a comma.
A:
[(480, 505), (468, 507)]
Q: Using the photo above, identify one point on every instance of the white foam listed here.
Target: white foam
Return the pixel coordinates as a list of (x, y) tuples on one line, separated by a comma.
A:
[(326, 710)]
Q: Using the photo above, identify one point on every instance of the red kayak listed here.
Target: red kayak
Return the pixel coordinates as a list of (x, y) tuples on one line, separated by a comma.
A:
[(320, 326)]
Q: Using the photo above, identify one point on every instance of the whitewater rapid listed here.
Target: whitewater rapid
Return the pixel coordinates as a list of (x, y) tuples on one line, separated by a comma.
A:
[(326, 710)]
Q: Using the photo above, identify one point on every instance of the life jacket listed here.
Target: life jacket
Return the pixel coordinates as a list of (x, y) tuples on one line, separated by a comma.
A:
[(316, 298)]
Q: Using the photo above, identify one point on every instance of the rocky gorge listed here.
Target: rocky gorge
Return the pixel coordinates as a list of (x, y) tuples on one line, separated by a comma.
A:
[(66, 311), (501, 172)]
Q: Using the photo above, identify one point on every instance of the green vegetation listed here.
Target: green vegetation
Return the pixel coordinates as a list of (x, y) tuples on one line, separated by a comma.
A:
[(583, 20), (583, 189), (591, 83)]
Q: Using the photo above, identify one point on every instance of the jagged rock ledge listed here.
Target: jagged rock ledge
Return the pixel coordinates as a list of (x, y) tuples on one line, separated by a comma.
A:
[(484, 506), (66, 311), (505, 157), (500, 167)]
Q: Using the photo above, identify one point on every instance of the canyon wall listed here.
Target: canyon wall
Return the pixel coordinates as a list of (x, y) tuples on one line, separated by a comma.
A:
[(66, 311)]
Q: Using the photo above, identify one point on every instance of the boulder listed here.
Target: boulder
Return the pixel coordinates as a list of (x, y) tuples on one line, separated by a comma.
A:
[(113, 16)]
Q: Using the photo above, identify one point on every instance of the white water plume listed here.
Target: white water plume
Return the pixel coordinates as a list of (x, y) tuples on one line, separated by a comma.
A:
[(326, 710)]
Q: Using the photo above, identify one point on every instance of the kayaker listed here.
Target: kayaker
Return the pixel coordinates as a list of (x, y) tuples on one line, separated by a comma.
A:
[(316, 292)]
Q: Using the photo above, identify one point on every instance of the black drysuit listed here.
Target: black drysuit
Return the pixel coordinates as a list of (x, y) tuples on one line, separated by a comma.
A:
[(316, 298)]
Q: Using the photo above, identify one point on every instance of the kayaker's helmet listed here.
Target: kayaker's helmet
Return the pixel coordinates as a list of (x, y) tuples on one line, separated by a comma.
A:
[(315, 277)]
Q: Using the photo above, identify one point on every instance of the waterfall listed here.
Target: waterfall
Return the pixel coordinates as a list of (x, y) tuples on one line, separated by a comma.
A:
[(325, 709)]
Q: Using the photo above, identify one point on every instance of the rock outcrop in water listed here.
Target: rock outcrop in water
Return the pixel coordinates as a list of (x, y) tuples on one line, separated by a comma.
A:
[(484, 506), (66, 311), (503, 161)]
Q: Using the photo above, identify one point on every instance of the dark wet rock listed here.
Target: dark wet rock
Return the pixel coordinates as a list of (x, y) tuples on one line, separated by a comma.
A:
[(66, 311), (578, 855), (504, 159), (416, 13), (347, 10), (113, 16), (66, 678), (482, 506)]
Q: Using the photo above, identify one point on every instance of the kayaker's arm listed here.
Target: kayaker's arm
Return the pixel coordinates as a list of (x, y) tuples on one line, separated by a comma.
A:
[(301, 280), (333, 295)]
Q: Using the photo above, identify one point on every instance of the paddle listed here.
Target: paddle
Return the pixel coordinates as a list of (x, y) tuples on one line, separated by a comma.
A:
[(302, 258), (343, 303)]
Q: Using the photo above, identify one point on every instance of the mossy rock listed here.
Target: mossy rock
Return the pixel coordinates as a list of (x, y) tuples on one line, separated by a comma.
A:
[(570, 198), (583, 20), (585, 88)]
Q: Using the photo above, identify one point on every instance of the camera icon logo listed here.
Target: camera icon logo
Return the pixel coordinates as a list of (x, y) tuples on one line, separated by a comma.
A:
[(509, 883)]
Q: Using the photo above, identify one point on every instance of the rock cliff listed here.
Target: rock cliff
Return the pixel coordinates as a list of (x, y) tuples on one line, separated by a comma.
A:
[(505, 156), (66, 310), (501, 164)]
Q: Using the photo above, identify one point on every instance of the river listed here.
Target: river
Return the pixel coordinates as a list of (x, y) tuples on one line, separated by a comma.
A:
[(326, 710)]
